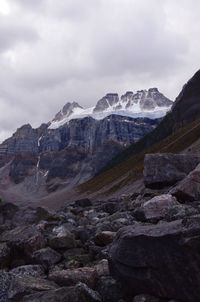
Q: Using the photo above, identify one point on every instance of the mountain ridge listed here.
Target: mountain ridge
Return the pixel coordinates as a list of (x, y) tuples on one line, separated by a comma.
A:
[(144, 103)]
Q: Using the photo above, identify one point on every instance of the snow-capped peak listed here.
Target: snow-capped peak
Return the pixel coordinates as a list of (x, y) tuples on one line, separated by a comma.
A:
[(144, 103), (67, 111)]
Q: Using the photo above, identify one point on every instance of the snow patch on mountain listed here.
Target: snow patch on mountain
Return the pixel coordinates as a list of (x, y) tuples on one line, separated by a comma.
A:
[(144, 103)]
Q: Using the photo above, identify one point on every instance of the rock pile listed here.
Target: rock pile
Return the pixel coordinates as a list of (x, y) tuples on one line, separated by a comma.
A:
[(138, 248)]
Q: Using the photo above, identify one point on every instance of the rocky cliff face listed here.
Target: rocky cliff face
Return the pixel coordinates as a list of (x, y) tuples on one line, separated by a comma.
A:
[(73, 152)]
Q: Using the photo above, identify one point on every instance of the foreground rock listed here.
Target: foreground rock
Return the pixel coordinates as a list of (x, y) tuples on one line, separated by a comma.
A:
[(162, 170), (24, 285), (46, 256), (104, 238), (78, 293), (87, 275), (159, 259), (22, 241), (157, 207), (189, 188), (62, 238)]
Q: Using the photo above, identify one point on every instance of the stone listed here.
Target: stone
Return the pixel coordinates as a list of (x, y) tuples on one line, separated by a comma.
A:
[(5, 255), (87, 275), (28, 270), (5, 280), (78, 293), (46, 256), (159, 259), (158, 207), (189, 188), (77, 256), (44, 214), (104, 238), (8, 211), (102, 268), (24, 285), (62, 238), (23, 241), (110, 289), (161, 170), (85, 202)]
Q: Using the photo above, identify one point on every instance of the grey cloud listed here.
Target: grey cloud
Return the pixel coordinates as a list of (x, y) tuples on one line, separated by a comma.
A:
[(13, 32), (52, 52)]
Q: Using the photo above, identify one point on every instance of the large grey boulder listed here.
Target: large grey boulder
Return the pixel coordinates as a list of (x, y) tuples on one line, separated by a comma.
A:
[(189, 188), (162, 260), (161, 170), (158, 206)]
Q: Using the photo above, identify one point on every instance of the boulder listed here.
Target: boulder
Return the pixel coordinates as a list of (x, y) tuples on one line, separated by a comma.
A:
[(161, 170), (78, 257), (159, 259), (85, 202), (78, 293), (46, 256), (157, 207), (62, 238), (23, 241), (44, 214), (22, 286), (87, 275), (102, 268), (104, 238), (189, 188), (28, 270)]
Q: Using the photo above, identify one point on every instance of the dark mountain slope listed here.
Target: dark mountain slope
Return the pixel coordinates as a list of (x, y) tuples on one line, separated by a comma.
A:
[(177, 131)]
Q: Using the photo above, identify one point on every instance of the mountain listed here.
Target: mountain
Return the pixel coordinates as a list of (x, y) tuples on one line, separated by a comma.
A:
[(179, 130), (144, 103), (75, 145)]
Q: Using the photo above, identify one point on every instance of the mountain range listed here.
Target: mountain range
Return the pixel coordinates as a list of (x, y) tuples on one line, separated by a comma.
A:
[(77, 143), (144, 103)]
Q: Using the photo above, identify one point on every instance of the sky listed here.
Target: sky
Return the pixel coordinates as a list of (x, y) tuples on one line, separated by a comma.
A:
[(52, 52)]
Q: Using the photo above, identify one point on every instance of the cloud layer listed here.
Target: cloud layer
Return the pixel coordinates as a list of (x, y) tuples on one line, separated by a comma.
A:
[(52, 52)]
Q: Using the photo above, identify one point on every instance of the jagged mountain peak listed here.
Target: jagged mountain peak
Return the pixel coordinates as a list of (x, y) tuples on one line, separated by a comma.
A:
[(67, 110), (144, 103)]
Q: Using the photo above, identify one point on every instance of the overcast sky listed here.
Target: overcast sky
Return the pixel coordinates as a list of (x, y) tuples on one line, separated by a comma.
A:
[(54, 51)]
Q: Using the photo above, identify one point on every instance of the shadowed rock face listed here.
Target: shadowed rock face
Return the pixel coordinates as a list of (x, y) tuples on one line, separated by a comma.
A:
[(75, 151), (187, 107), (189, 188), (162, 260), (161, 170)]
